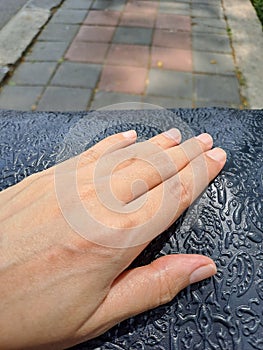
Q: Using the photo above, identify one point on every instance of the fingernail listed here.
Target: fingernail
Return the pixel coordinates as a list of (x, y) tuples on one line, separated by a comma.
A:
[(217, 154), (130, 134), (173, 134), (206, 139), (202, 273)]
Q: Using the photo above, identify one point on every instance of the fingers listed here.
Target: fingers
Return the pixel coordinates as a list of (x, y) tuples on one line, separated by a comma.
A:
[(141, 175), (147, 287), (108, 145), (157, 209)]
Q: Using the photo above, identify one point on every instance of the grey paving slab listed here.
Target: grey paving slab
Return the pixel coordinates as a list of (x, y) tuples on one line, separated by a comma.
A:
[(211, 42), (104, 99), (216, 63), (207, 25), (136, 35), (217, 88), (47, 51), (175, 8), (8, 9), (214, 10), (64, 99), (77, 75), (116, 5), (167, 102), (33, 73), (69, 16), (200, 104), (169, 83), (19, 97), (77, 4), (59, 32)]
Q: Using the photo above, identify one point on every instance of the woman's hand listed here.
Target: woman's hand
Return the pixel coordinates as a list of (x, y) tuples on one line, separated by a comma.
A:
[(68, 234)]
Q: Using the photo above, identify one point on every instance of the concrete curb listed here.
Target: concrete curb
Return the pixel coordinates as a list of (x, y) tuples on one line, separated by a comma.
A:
[(19, 32), (247, 41)]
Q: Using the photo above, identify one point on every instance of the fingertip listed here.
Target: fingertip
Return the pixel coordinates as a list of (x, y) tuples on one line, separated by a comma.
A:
[(206, 139), (202, 273), (130, 134), (173, 134), (217, 154)]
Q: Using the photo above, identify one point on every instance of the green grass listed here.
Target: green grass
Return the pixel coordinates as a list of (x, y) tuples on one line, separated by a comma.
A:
[(258, 4)]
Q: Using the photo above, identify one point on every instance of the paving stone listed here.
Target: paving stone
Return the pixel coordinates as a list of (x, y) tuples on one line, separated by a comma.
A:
[(145, 7), (47, 51), (19, 97), (209, 62), (166, 102), (128, 55), (103, 18), (173, 22), (207, 25), (69, 16), (168, 58), (77, 74), (33, 73), (173, 39), (201, 104), (217, 88), (123, 79), (211, 42), (80, 51), (169, 83), (138, 19), (64, 99), (59, 32), (116, 5), (95, 34), (209, 11), (103, 99), (128, 35), (77, 4), (175, 8)]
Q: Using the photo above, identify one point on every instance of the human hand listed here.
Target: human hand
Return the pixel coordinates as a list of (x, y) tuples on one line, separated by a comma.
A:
[(64, 253)]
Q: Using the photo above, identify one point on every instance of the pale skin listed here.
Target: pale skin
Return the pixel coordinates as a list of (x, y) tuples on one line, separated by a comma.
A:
[(59, 288)]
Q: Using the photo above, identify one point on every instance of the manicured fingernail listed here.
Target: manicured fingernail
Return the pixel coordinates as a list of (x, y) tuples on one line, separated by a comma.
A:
[(202, 273), (217, 154), (206, 139), (130, 134), (173, 134)]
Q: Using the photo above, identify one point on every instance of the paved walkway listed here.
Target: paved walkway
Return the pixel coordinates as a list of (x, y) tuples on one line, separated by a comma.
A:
[(94, 53)]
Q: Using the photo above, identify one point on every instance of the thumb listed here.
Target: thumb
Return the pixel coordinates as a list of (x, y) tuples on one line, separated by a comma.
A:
[(149, 286)]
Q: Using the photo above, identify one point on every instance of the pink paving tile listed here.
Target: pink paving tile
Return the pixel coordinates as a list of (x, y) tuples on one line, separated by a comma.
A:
[(173, 22), (95, 33), (80, 51), (138, 19), (176, 59), (173, 39), (144, 7), (123, 79), (128, 55), (103, 18)]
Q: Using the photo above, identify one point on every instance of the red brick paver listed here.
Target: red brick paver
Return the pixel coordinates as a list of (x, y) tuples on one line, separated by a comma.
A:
[(95, 34), (168, 58), (87, 52), (173, 22), (173, 39), (129, 55), (138, 19), (123, 79)]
